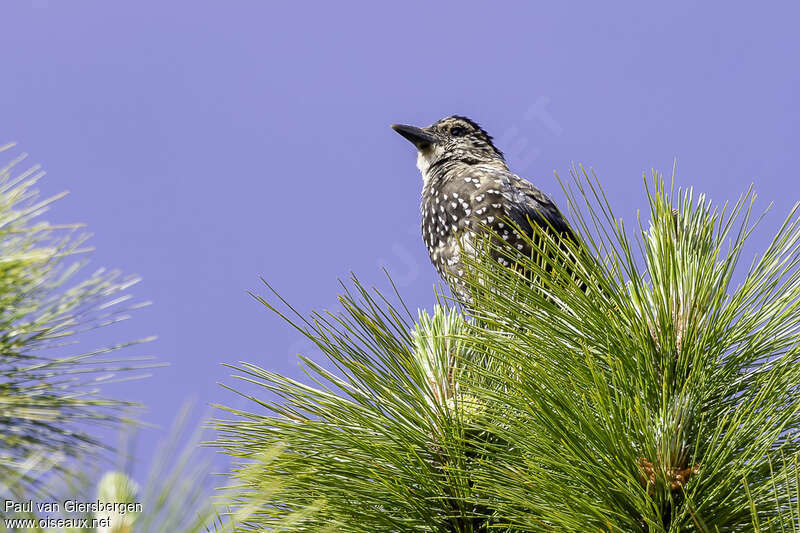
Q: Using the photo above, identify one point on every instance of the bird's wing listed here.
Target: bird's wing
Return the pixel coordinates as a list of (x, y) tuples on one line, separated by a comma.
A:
[(528, 202)]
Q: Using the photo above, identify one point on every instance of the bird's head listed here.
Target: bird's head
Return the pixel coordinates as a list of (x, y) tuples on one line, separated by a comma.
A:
[(451, 139)]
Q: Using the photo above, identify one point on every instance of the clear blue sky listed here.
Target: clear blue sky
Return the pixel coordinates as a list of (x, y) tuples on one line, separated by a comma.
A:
[(206, 144)]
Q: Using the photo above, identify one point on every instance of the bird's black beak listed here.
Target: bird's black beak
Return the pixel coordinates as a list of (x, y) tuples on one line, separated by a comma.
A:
[(418, 137)]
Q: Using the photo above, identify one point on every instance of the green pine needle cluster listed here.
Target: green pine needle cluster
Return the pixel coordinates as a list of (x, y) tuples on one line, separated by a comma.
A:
[(645, 380), (49, 387)]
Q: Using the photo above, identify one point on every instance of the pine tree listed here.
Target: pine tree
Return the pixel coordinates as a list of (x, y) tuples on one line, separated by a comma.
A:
[(662, 398), (51, 401), (50, 396)]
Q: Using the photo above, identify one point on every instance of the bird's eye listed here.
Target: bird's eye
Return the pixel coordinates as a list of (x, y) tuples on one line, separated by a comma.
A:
[(458, 131)]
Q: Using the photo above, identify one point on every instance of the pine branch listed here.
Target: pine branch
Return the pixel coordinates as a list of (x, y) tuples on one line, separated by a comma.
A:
[(50, 390), (621, 384)]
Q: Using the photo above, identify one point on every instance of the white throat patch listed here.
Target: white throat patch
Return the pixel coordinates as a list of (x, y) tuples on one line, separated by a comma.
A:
[(426, 157)]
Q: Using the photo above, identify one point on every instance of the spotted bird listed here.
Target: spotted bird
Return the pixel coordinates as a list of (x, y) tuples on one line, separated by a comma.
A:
[(467, 187)]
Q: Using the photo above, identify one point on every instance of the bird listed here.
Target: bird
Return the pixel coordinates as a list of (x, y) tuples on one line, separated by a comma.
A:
[(468, 189)]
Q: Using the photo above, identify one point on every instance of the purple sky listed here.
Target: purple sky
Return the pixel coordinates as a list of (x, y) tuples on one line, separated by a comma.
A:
[(206, 144)]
